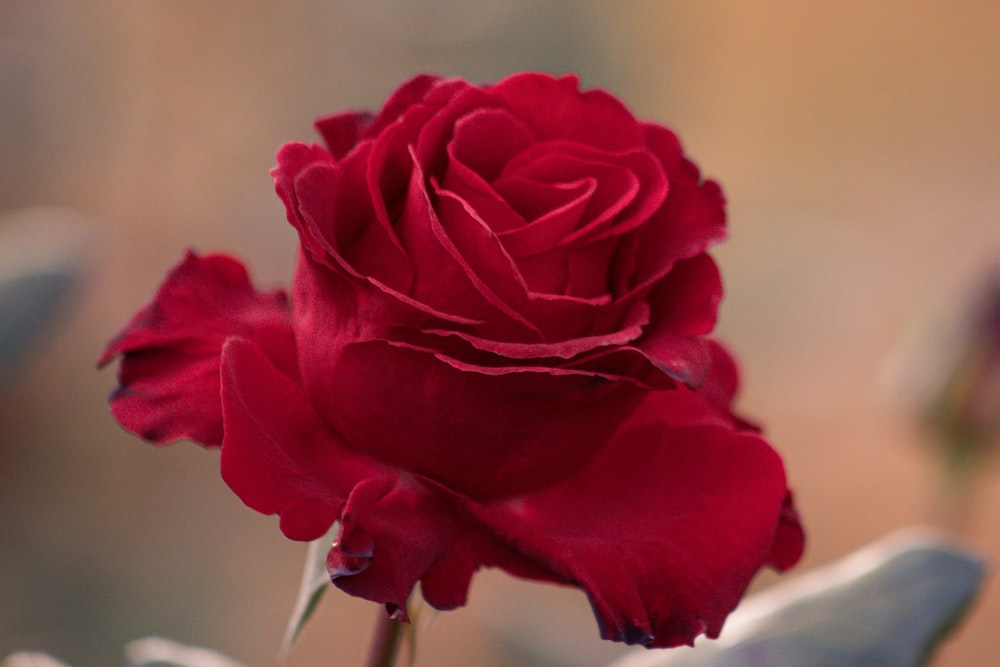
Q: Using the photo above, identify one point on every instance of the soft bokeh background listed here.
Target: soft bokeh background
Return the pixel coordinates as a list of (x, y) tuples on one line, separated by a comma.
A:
[(858, 144)]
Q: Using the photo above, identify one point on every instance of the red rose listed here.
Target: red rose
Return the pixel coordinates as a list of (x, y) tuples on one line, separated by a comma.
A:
[(495, 355)]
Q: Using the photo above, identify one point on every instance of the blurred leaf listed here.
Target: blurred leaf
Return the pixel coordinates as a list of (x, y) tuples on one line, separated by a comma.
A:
[(27, 659), (886, 605), (27, 305), (159, 652), (315, 581), (40, 258)]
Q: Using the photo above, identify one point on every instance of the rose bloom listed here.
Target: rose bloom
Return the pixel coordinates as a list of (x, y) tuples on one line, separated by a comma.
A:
[(495, 354)]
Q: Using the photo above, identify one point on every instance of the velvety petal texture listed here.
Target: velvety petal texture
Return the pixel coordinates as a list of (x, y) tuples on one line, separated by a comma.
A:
[(496, 353), (663, 550), (169, 376)]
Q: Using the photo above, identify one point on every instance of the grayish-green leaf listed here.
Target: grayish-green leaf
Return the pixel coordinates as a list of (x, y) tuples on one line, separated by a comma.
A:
[(315, 581), (886, 605), (40, 263), (160, 652)]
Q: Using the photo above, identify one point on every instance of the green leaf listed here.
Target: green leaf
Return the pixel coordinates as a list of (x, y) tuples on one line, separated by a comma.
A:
[(887, 605), (160, 652), (315, 581)]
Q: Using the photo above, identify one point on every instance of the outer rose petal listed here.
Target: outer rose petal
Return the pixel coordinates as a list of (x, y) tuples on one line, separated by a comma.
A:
[(169, 377), (790, 538), (280, 458), (663, 530), (394, 529), (683, 310), (693, 218)]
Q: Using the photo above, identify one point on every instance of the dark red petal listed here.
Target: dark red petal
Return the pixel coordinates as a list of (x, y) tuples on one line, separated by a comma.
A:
[(341, 132), (683, 307), (631, 184), (617, 186), (403, 99), (445, 585), (550, 355), (281, 458), (692, 219), (393, 530), (790, 539), (482, 435), (486, 139), (293, 159), (433, 124), (338, 211), (723, 379), (604, 364), (443, 279), (169, 377), (557, 109), (663, 530), (562, 206), (278, 455), (551, 352), (474, 246), (571, 273)]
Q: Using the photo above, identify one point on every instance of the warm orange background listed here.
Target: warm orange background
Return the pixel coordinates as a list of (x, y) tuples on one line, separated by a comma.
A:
[(858, 144)]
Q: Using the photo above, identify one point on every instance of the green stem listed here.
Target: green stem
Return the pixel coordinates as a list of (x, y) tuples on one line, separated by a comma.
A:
[(385, 641)]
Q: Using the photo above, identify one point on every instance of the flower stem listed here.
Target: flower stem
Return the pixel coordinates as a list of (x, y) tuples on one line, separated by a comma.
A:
[(384, 646)]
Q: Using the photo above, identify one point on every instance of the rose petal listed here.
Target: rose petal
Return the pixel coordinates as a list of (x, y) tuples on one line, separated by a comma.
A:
[(692, 219), (562, 206), (446, 106), (578, 273), (636, 371), (570, 254), (394, 529), (790, 539), (293, 158), (487, 440), (169, 376), (444, 280), (657, 576), (278, 456), (495, 273), (486, 139), (663, 529), (548, 354), (475, 247), (557, 109), (334, 206), (631, 184), (617, 186), (388, 172), (683, 307), (445, 585), (342, 132)]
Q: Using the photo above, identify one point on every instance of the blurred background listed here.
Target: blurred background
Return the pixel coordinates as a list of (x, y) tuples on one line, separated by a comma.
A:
[(858, 144)]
